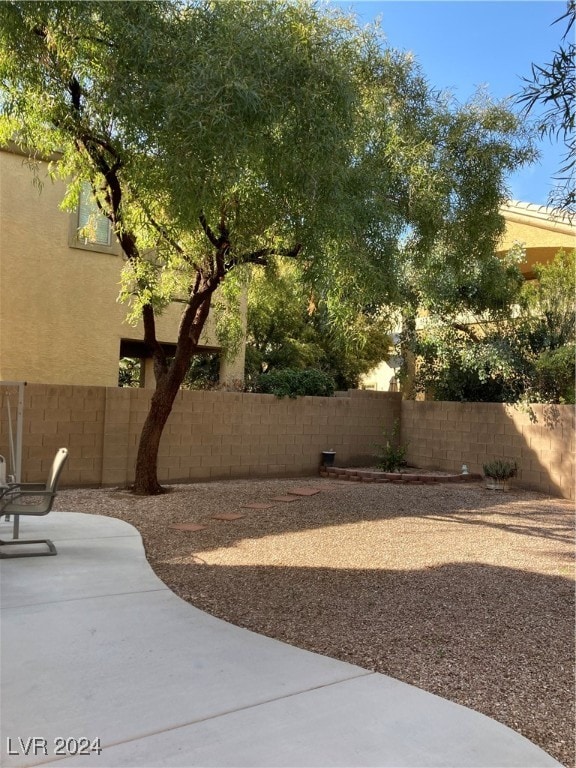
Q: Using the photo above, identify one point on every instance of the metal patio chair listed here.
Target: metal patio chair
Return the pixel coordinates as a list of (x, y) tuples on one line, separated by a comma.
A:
[(34, 499)]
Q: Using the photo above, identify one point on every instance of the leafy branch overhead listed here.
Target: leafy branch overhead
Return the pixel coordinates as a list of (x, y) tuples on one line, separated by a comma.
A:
[(553, 87), (523, 352)]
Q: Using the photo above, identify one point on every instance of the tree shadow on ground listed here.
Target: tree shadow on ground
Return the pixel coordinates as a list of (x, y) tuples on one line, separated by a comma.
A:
[(411, 581), (495, 639)]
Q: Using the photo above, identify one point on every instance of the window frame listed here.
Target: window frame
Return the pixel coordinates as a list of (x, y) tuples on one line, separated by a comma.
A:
[(75, 240)]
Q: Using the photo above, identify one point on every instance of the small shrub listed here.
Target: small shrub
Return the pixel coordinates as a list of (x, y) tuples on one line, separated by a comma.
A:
[(288, 382), (392, 456), (501, 469)]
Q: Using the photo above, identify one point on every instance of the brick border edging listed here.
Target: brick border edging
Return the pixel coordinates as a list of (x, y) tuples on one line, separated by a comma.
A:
[(374, 476)]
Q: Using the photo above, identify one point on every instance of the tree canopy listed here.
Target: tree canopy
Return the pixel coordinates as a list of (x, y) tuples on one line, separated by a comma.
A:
[(288, 326), (217, 135), (522, 351)]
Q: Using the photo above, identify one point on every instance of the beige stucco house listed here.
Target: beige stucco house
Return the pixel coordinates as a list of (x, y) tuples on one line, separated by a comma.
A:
[(541, 231), (538, 229), (60, 319)]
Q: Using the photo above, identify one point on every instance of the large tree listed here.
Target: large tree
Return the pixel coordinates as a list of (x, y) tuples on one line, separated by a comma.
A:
[(221, 134)]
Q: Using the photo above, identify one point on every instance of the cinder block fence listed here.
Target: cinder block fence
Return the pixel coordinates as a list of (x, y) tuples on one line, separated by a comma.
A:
[(214, 435), (209, 435), (447, 435)]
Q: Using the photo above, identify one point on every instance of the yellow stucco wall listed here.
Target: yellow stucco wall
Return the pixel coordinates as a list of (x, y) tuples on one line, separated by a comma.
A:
[(60, 321), (541, 234)]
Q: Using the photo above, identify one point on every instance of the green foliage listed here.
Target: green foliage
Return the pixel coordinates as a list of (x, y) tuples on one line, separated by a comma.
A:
[(552, 87), (229, 311), (522, 352), (555, 374), (293, 383), (129, 372), (203, 372), (289, 326), (501, 469), (453, 366), (549, 302), (391, 455)]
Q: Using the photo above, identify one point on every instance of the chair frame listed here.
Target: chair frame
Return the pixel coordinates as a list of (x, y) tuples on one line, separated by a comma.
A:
[(11, 503)]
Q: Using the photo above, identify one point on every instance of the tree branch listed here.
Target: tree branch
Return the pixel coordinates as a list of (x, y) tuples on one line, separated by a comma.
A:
[(158, 354), (208, 231), (261, 256), (75, 93), (221, 264), (463, 328), (192, 322), (161, 229)]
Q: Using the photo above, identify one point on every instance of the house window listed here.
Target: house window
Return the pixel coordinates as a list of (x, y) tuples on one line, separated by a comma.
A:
[(93, 227)]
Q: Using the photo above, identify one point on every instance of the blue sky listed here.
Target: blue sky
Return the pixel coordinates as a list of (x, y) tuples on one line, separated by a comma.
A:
[(463, 44)]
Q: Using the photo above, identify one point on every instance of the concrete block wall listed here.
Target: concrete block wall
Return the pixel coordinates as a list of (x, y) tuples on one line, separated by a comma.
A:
[(446, 435), (58, 416), (208, 435), (212, 435)]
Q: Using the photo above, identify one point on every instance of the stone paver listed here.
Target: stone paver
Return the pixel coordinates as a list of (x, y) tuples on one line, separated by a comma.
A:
[(304, 491)]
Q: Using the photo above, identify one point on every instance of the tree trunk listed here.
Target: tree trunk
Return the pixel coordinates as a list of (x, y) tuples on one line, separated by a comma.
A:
[(146, 476), (409, 365), (168, 381)]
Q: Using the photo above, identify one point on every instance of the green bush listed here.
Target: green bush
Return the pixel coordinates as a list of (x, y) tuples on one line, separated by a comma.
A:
[(288, 382), (555, 372), (392, 455)]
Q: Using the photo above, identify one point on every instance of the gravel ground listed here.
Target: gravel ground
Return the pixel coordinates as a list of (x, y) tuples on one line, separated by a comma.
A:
[(461, 591)]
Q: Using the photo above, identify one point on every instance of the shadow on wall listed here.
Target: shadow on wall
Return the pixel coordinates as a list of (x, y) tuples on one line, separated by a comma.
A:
[(442, 435), (549, 448)]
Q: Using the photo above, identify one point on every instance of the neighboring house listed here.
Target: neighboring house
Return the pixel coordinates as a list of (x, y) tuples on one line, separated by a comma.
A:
[(60, 318), (538, 229), (542, 233)]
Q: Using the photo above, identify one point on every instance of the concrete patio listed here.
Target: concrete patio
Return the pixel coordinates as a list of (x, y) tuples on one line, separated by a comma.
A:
[(96, 647)]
